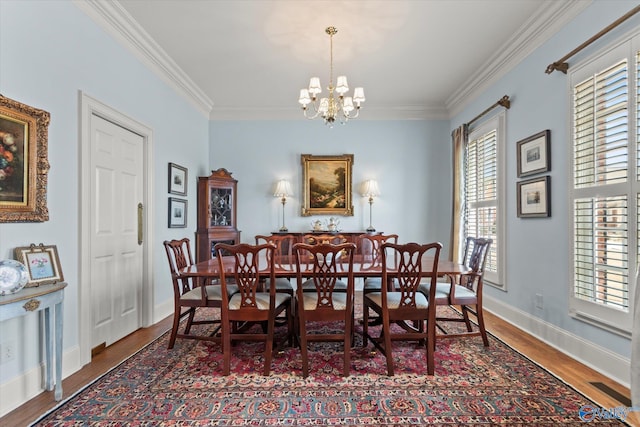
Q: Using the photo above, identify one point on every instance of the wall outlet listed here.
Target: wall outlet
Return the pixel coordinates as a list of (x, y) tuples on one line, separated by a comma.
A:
[(7, 351), (539, 301)]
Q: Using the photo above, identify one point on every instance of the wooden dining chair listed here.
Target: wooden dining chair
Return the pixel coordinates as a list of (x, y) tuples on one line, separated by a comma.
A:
[(324, 303), (465, 291), (405, 303), (369, 254), (188, 295), (323, 239), (250, 305), (283, 257)]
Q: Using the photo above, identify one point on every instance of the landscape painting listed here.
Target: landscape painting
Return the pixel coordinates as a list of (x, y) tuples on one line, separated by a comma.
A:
[(327, 184)]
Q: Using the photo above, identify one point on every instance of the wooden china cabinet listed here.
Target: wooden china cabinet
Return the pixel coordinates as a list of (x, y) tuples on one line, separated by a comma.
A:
[(216, 212)]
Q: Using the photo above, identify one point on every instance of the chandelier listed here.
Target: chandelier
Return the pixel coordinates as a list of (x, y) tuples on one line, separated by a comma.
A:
[(341, 107)]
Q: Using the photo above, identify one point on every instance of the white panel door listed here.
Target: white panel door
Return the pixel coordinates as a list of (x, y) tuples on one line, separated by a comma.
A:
[(116, 256)]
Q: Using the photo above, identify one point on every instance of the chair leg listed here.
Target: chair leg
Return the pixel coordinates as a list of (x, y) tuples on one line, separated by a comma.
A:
[(365, 326), (174, 328), (347, 346), (268, 351), (192, 314), (483, 331), (386, 330), (465, 314), (226, 347), (302, 333), (431, 347)]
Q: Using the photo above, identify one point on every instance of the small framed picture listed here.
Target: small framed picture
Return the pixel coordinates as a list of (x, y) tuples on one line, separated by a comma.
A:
[(177, 213), (534, 155), (534, 198), (42, 262), (177, 179)]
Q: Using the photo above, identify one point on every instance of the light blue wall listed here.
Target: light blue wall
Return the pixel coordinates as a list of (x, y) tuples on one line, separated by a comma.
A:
[(539, 250), (49, 51), (409, 159)]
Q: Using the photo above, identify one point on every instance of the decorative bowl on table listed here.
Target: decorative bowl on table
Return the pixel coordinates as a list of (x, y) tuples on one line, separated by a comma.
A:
[(13, 276)]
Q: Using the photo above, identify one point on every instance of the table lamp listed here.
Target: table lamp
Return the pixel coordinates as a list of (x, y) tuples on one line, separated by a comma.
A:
[(283, 190), (370, 190)]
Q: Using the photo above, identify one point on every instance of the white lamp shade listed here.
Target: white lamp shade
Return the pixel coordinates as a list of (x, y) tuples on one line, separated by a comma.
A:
[(304, 97), (370, 188), (283, 189), (358, 95), (347, 106), (314, 86), (341, 86)]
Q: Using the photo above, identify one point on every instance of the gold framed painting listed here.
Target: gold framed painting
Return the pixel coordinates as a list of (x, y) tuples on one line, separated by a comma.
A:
[(326, 184), (24, 162)]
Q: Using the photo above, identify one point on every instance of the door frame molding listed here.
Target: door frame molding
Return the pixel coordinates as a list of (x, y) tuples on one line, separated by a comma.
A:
[(90, 106)]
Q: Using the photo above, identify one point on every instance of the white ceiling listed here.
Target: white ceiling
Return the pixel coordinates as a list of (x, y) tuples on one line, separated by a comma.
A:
[(248, 59)]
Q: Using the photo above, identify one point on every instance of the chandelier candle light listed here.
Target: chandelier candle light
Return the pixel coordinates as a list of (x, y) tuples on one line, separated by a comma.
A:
[(331, 108), (283, 190), (370, 190)]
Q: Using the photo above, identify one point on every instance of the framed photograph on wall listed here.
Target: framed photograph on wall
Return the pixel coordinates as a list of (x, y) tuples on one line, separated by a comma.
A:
[(24, 162), (326, 184), (534, 198), (177, 179), (534, 155), (42, 262), (177, 213)]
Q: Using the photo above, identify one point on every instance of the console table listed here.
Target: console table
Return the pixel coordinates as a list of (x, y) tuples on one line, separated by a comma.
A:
[(350, 236), (48, 298)]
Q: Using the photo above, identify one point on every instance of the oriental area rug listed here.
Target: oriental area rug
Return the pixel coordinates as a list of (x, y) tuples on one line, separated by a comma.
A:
[(472, 385)]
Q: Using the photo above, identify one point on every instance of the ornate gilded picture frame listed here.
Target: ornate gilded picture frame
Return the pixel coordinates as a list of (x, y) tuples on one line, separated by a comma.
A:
[(42, 262), (326, 184), (24, 163)]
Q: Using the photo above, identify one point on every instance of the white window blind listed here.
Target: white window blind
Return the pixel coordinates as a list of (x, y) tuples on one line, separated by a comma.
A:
[(604, 193), (482, 194)]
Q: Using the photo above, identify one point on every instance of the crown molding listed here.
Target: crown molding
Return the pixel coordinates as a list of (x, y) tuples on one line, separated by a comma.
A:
[(415, 112), (548, 20), (111, 16)]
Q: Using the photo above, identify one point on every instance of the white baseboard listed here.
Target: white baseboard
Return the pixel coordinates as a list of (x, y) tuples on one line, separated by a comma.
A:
[(22, 388), (163, 310), (596, 357)]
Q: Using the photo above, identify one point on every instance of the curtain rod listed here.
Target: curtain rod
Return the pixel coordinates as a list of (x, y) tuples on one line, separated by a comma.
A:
[(561, 63), (504, 101)]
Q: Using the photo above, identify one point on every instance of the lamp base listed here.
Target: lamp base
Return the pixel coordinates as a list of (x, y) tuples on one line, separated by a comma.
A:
[(370, 229), (283, 229)]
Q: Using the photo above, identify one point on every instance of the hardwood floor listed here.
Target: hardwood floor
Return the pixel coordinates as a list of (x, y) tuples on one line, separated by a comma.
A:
[(578, 375)]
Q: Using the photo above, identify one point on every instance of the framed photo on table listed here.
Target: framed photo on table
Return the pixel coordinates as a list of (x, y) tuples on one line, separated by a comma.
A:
[(534, 155), (326, 184), (42, 262), (178, 179), (534, 198), (24, 164), (177, 213)]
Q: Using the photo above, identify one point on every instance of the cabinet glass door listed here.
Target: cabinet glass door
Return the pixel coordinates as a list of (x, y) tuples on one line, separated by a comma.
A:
[(221, 207)]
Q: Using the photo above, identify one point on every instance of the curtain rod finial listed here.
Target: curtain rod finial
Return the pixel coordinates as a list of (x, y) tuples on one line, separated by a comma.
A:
[(505, 102), (560, 66)]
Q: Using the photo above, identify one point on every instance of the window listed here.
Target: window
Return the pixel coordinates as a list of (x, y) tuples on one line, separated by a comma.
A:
[(605, 191), (483, 192)]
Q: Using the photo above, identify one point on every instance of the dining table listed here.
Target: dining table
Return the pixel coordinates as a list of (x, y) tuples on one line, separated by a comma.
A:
[(210, 269)]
